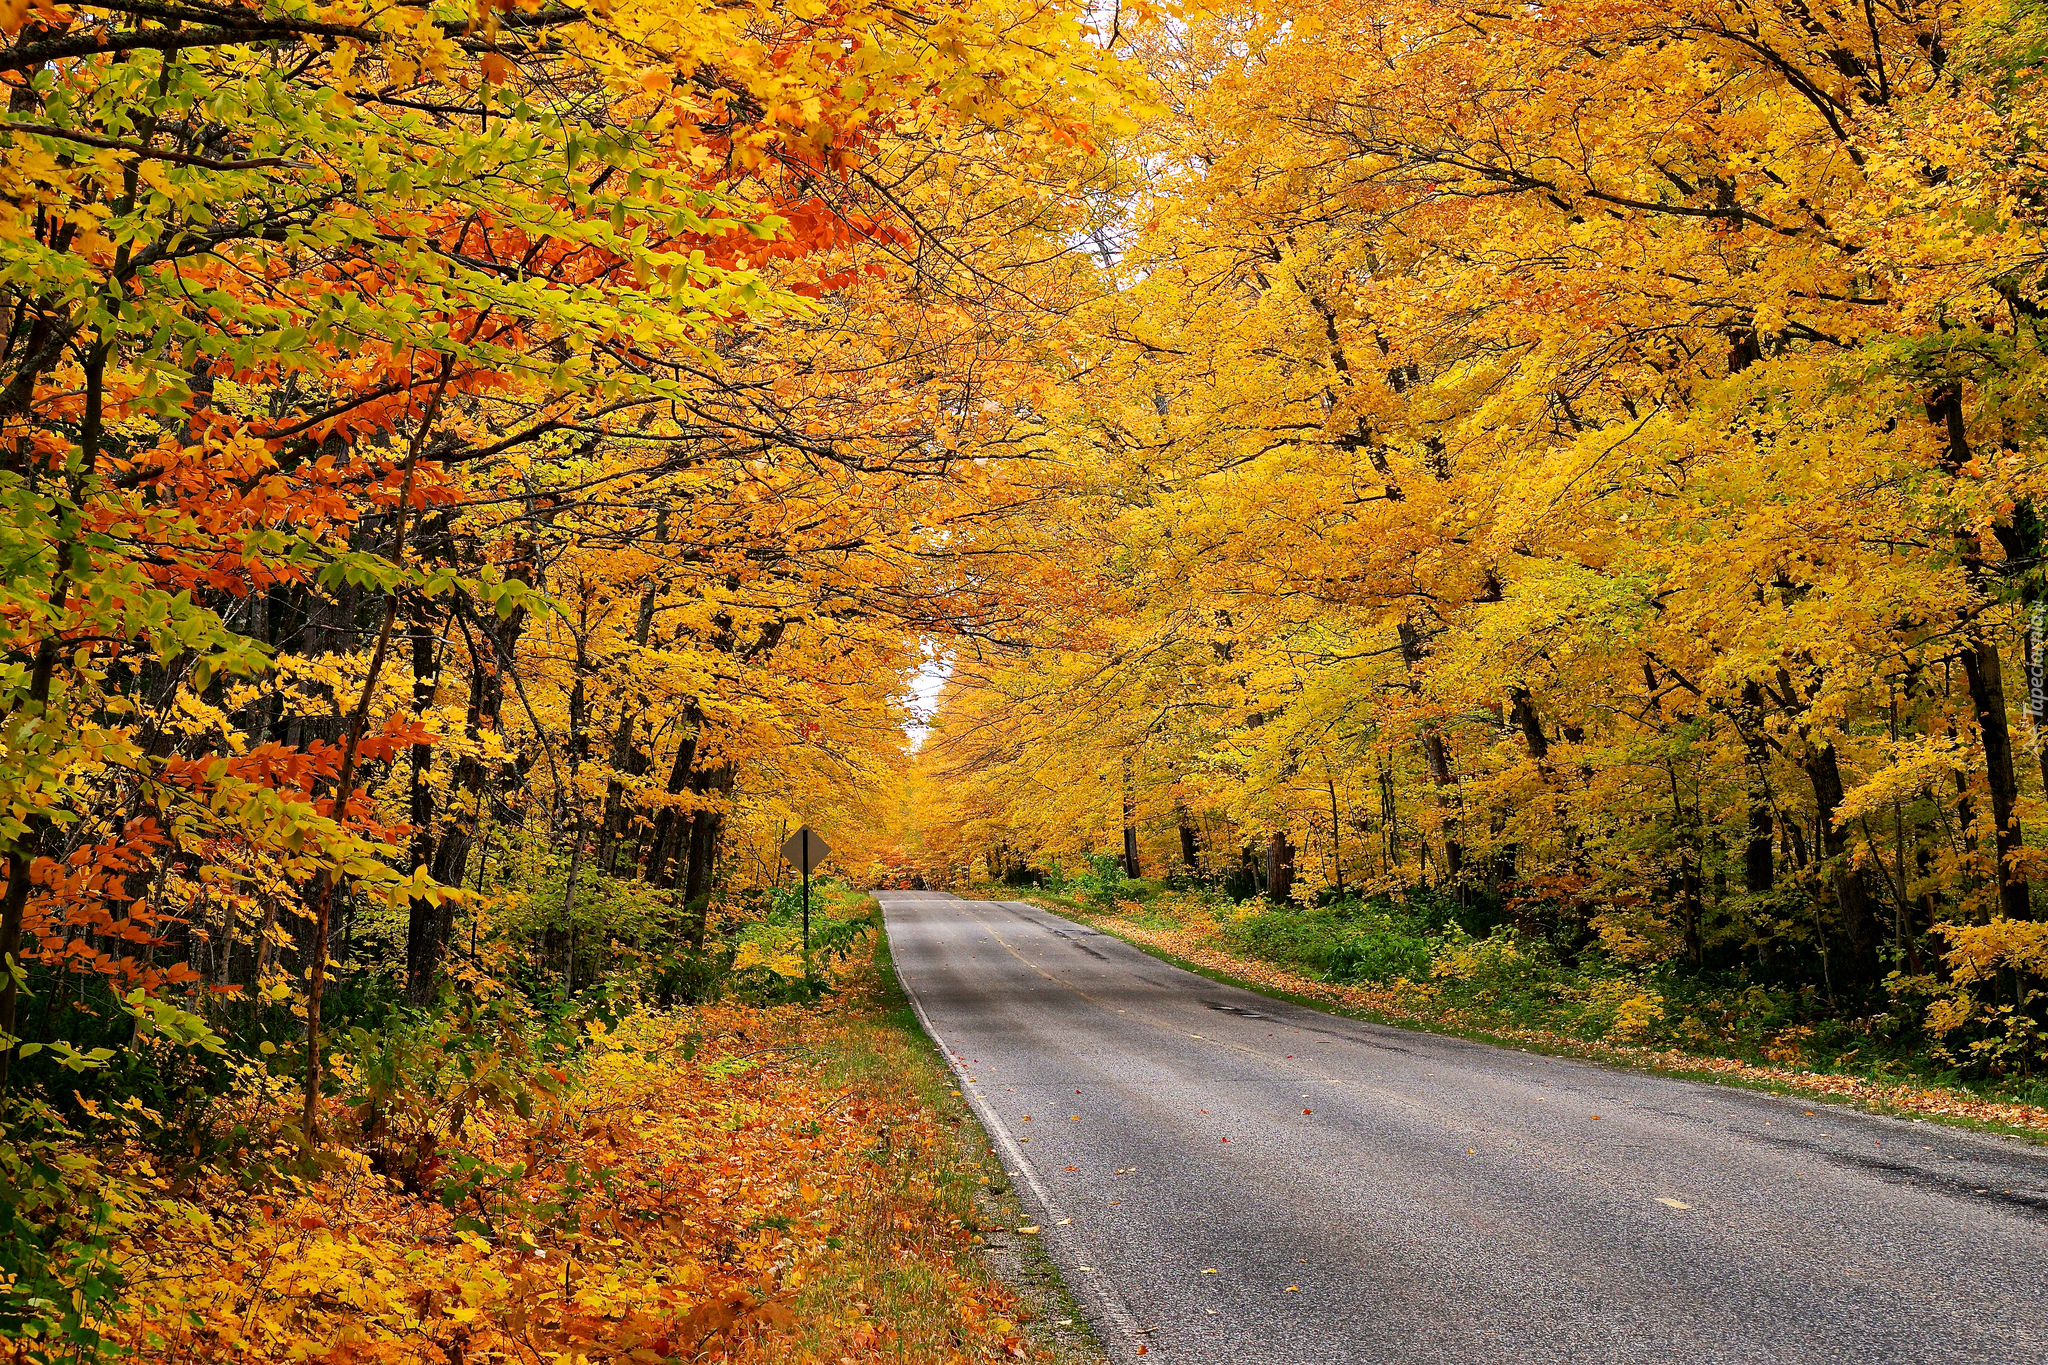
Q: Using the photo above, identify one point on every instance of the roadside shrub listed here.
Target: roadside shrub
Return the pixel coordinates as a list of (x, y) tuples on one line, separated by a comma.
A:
[(1104, 883), (1344, 943), (1496, 960), (1622, 1010), (1378, 953), (1993, 1014)]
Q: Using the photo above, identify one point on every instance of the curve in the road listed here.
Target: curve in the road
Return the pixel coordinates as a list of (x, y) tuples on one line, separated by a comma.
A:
[(1226, 1179)]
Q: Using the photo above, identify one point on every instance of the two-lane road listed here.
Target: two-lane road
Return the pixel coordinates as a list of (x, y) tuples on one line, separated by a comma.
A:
[(1228, 1179)]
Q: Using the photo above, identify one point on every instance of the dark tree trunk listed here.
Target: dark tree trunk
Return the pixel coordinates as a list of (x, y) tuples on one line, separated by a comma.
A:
[(1524, 713), (621, 755), (1981, 665), (491, 645), (1758, 873), (1987, 697), (1437, 754), (667, 845), (425, 939), (706, 825), (1852, 896), (1130, 822), (1279, 867)]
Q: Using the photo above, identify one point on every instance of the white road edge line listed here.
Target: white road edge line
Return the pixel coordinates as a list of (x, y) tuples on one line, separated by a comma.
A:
[(1104, 1293)]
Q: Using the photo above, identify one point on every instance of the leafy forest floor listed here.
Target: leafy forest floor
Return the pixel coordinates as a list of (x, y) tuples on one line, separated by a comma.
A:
[(723, 1182), (1502, 991)]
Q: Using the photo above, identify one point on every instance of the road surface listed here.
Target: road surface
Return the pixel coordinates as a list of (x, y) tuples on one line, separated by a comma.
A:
[(1225, 1179)]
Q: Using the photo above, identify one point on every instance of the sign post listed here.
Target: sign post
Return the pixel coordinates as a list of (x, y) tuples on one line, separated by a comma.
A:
[(804, 851)]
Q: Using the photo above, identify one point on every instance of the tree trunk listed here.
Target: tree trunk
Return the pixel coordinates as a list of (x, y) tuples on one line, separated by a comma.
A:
[(1758, 873), (1859, 921), (1279, 867), (621, 755), (1987, 697), (424, 940), (1524, 713), (1981, 665), (1438, 757), (668, 844), (486, 706), (1130, 823), (706, 825)]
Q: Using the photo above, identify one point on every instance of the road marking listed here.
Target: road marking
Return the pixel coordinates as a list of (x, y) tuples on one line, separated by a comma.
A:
[(1106, 1295)]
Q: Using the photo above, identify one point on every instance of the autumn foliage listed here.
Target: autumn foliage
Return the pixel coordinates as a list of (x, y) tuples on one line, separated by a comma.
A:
[(714, 1187), (471, 475), (474, 476), (1585, 459)]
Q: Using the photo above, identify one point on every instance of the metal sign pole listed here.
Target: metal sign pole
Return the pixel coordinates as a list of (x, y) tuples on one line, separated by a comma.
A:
[(806, 850)]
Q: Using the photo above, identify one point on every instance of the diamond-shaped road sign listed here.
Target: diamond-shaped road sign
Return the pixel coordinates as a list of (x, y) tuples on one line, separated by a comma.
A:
[(804, 850)]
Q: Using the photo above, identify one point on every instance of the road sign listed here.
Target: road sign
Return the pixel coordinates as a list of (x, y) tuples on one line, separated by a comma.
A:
[(804, 850)]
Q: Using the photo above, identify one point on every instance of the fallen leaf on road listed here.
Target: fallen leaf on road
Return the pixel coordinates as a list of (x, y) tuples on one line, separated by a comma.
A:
[(1293, 1289), (1308, 1111), (1671, 1203), (1596, 1117), (1028, 1227), (1210, 1271), (1063, 1222), (1070, 1168)]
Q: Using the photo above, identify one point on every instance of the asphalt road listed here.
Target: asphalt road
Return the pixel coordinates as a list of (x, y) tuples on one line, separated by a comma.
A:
[(1225, 1178)]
